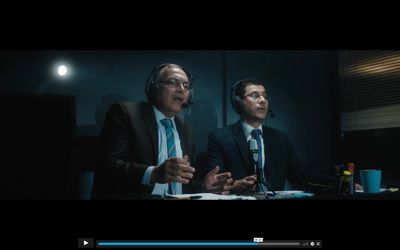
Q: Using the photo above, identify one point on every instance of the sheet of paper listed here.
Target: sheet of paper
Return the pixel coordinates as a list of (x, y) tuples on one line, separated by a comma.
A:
[(210, 196), (292, 194)]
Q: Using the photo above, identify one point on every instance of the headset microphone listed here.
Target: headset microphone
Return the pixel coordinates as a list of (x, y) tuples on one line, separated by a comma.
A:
[(187, 104)]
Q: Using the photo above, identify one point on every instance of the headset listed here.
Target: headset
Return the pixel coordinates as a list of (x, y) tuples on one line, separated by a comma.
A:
[(152, 85), (236, 100)]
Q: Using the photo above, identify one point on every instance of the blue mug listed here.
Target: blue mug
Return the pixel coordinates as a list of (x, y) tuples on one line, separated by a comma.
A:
[(371, 180)]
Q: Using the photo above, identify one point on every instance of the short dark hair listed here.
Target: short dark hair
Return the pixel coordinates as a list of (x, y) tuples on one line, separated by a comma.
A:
[(242, 84)]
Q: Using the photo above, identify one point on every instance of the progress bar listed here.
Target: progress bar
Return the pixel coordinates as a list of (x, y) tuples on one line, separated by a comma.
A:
[(247, 244), (176, 244)]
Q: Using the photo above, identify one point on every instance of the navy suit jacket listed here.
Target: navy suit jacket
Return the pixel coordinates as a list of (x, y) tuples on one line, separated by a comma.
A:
[(228, 148)]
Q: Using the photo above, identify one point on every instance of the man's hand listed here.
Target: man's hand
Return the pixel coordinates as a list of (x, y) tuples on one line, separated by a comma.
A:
[(173, 170), (244, 185), (217, 183)]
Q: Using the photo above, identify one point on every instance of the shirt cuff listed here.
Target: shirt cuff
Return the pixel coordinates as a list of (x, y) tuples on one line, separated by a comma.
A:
[(147, 176)]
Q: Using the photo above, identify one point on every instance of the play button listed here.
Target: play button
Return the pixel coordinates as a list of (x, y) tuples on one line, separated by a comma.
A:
[(85, 243)]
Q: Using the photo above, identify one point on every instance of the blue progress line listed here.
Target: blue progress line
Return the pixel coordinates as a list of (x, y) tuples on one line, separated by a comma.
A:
[(176, 243)]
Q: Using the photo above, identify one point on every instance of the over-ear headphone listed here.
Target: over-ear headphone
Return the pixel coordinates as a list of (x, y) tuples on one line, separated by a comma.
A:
[(236, 100), (151, 83)]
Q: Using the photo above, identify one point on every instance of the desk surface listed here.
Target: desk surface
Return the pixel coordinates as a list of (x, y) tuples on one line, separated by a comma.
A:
[(387, 195), (358, 196)]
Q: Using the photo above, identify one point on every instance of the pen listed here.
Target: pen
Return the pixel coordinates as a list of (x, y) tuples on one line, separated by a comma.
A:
[(195, 197)]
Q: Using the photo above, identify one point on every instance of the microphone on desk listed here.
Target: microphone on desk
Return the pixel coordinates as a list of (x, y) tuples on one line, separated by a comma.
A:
[(253, 148), (254, 152)]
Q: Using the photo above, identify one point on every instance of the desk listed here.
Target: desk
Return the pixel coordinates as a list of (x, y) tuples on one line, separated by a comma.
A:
[(387, 195), (358, 196)]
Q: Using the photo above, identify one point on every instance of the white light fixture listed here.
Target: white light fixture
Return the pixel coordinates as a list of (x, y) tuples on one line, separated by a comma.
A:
[(62, 70)]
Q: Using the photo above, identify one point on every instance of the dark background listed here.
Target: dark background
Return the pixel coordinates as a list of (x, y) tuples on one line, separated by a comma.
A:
[(302, 84)]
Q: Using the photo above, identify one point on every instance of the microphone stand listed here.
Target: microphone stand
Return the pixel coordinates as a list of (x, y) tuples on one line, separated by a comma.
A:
[(259, 180), (262, 182), (255, 156)]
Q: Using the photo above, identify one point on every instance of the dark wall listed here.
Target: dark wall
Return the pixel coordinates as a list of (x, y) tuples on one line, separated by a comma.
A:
[(302, 85), (374, 149), (38, 142)]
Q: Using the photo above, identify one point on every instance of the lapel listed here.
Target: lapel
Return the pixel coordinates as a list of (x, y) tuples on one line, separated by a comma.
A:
[(267, 152), (241, 143), (151, 125)]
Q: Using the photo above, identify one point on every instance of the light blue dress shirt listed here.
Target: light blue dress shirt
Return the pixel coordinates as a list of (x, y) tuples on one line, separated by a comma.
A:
[(161, 189), (247, 130)]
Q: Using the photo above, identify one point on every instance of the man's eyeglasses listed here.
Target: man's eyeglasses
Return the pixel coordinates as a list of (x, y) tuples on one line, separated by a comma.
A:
[(176, 84), (255, 95)]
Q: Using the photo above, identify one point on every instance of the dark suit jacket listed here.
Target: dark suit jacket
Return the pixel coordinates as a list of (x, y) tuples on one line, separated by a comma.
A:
[(227, 148), (129, 144)]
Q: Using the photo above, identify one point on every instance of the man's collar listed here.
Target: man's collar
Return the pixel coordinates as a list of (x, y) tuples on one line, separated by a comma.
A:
[(159, 115), (247, 128)]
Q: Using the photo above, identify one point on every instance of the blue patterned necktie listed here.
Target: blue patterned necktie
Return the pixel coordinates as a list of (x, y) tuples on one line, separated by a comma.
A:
[(171, 149), (256, 134)]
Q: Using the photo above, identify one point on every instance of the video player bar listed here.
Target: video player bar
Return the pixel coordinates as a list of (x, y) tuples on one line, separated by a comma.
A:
[(256, 243)]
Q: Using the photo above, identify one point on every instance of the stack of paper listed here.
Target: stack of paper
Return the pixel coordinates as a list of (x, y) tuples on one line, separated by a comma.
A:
[(210, 196)]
